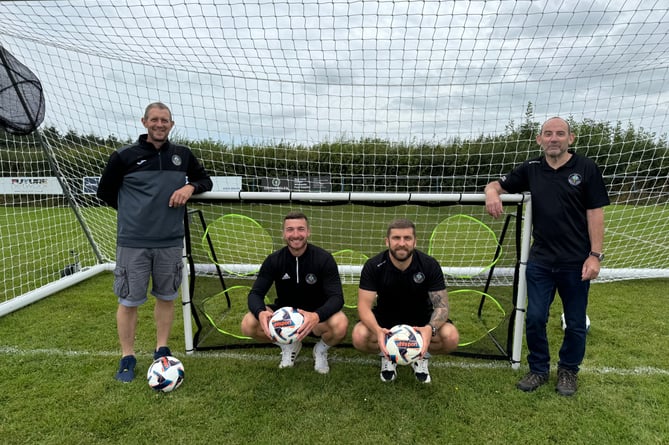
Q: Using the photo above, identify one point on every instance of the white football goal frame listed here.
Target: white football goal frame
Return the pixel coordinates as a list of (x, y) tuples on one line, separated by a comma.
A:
[(518, 316)]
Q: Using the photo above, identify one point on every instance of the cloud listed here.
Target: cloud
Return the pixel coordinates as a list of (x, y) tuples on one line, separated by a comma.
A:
[(313, 70)]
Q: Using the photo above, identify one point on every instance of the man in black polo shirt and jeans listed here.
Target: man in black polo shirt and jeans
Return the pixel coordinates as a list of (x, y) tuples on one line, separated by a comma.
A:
[(568, 196)]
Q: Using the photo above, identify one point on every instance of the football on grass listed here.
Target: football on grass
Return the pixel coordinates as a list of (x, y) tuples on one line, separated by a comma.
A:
[(284, 324), (563, 323), (404, 344), (165, 374)]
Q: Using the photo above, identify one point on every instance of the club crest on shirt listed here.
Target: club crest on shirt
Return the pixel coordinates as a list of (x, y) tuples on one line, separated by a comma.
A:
[(311, 278), (176, 160), (575, 179), (418, 277)]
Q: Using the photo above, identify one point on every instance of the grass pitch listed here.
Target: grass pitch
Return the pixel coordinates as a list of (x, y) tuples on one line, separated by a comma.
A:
[(59, 357)]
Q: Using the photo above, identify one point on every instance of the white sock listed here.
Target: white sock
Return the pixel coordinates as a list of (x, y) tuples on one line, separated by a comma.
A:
[(323, 344)]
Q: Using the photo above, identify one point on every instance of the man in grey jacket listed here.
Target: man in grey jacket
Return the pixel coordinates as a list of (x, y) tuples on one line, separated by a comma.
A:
[(149, 183)]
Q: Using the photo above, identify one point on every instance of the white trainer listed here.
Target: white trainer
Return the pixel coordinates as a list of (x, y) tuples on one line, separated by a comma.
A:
[(421, 371), (289, 354), (321, 358), (388, 370)]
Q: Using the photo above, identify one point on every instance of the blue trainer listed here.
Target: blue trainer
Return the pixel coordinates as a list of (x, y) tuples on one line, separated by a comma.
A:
[(163, 351), (126, 370)]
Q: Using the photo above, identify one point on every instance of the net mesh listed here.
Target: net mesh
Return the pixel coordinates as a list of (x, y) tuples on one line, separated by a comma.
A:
[(478, 260)]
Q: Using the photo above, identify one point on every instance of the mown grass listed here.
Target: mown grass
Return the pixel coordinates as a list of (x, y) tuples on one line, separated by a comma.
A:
[(59, 356)]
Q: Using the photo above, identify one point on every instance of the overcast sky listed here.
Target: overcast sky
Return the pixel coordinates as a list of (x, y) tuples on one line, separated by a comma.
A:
[(309, 71)]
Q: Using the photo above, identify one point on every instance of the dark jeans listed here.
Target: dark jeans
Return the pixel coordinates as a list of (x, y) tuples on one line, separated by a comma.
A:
[(542, 282)]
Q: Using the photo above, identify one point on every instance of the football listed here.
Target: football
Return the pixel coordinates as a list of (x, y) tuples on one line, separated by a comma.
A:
[(563, 323), (165, 374), (404, 344), (284, 324)]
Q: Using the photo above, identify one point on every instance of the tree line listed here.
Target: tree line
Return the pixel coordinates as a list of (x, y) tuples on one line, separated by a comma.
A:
[(623, 152)]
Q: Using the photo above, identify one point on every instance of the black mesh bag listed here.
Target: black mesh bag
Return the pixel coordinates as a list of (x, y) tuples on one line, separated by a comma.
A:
[(21, 98)]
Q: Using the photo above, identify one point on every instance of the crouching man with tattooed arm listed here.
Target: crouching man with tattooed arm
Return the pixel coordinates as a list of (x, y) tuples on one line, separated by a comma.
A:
[(402, 285)]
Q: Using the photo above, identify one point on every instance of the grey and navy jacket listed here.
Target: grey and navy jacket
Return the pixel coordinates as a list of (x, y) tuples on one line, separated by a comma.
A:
[(138, 182)]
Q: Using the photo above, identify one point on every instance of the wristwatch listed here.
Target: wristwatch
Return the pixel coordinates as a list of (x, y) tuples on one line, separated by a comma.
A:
[(599, 256), (434, 330)]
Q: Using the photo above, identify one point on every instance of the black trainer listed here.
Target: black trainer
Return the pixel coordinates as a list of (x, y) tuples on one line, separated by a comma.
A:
[(126, 369), (163, 351)]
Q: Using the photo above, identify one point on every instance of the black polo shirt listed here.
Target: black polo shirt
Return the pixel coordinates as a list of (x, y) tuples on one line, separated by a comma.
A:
[(560, 199), (402, 296)]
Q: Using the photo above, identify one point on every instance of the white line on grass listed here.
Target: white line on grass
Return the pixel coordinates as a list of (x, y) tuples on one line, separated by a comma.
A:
[(250, 356)]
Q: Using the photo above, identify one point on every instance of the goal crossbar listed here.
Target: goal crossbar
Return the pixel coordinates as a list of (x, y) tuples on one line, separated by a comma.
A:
[(357, 197)]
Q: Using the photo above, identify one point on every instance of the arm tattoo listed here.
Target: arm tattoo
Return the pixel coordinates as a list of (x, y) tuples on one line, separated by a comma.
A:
[(441, 308)]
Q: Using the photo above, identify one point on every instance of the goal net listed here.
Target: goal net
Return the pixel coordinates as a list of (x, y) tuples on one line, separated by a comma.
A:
[(322, 96), (230, 239)]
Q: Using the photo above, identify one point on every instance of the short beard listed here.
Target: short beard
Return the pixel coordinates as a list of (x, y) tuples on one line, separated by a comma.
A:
[(392, 252)]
